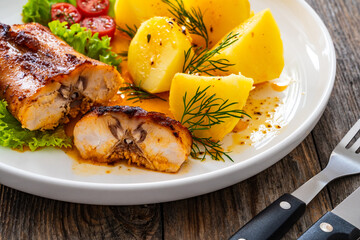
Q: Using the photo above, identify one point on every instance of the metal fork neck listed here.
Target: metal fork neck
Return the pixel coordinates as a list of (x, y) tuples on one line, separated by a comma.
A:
[(339, 165), (312, 187)]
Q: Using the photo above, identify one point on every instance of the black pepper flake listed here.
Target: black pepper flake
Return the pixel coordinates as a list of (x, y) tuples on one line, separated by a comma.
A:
[(6, 88), (257, 113), (148, 37), (72, 58), (152, 63), (20, 98), (211, 29), (49, 55), (183, 30)]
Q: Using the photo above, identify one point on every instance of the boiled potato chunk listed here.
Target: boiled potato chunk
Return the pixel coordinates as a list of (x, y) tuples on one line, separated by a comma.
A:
[(220, 17), (135, 12), (258, 53), (234, 88), (156, 53)]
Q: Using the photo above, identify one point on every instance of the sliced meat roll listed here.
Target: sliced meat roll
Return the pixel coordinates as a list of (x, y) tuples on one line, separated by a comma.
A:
[(149, 139), (45, 81)]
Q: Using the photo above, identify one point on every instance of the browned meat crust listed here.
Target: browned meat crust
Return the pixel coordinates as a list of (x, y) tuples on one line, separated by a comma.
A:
[(34, 62), (149, 139), (135, 112)]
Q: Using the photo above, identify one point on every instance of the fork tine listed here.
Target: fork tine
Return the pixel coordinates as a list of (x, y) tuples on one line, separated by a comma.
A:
[(350, 134), (355, 146)]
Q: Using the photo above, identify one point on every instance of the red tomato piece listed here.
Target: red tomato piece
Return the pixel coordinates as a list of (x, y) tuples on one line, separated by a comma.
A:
[(93, 8), (104, 25), (65, 12)]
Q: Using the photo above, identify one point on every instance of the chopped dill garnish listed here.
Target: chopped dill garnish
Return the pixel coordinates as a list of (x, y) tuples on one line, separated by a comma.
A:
[(206, 146), (137, 94), (124, 55), (193, 19), (201, 112), (129, 31), (201, 61)]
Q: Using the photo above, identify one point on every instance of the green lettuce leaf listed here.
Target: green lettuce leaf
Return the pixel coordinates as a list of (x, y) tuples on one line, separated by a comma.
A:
[(82, 40), (72, 2), (14, 136), (111, 12), (39, 10)]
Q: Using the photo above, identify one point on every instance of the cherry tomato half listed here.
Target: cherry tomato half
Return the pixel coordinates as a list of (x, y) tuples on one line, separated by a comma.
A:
[(93, 8), (65, 12), (104, 25)]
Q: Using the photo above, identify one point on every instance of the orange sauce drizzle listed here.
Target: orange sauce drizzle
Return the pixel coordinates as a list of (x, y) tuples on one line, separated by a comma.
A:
[(247, 132), (264, 119)]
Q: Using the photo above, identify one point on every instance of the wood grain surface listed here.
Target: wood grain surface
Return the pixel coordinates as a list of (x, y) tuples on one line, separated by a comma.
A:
[(219, 214)]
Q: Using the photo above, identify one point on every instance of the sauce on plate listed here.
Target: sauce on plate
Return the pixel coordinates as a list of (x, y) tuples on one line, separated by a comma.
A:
[(262, 105)]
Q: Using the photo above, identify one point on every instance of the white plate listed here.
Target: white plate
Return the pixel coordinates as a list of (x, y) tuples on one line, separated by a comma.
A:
[(310, 63)]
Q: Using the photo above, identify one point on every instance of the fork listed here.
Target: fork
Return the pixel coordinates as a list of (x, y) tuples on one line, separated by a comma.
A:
[(275, 220)]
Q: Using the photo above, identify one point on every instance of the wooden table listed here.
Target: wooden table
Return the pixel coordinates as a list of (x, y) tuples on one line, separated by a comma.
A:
[(216, 215)]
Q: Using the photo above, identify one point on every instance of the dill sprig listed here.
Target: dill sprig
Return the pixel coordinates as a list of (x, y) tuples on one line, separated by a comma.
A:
[(201, 112), (201, 61), (129, 31), (67, 17), (124, 55), (192, 19), (206, 146), (137, 94)]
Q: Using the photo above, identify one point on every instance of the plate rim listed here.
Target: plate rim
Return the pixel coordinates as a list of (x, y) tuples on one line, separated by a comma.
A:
[(276, 152)]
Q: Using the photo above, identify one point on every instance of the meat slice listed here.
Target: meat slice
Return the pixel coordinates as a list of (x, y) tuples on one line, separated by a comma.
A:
[(149, 139), (45, 81)]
